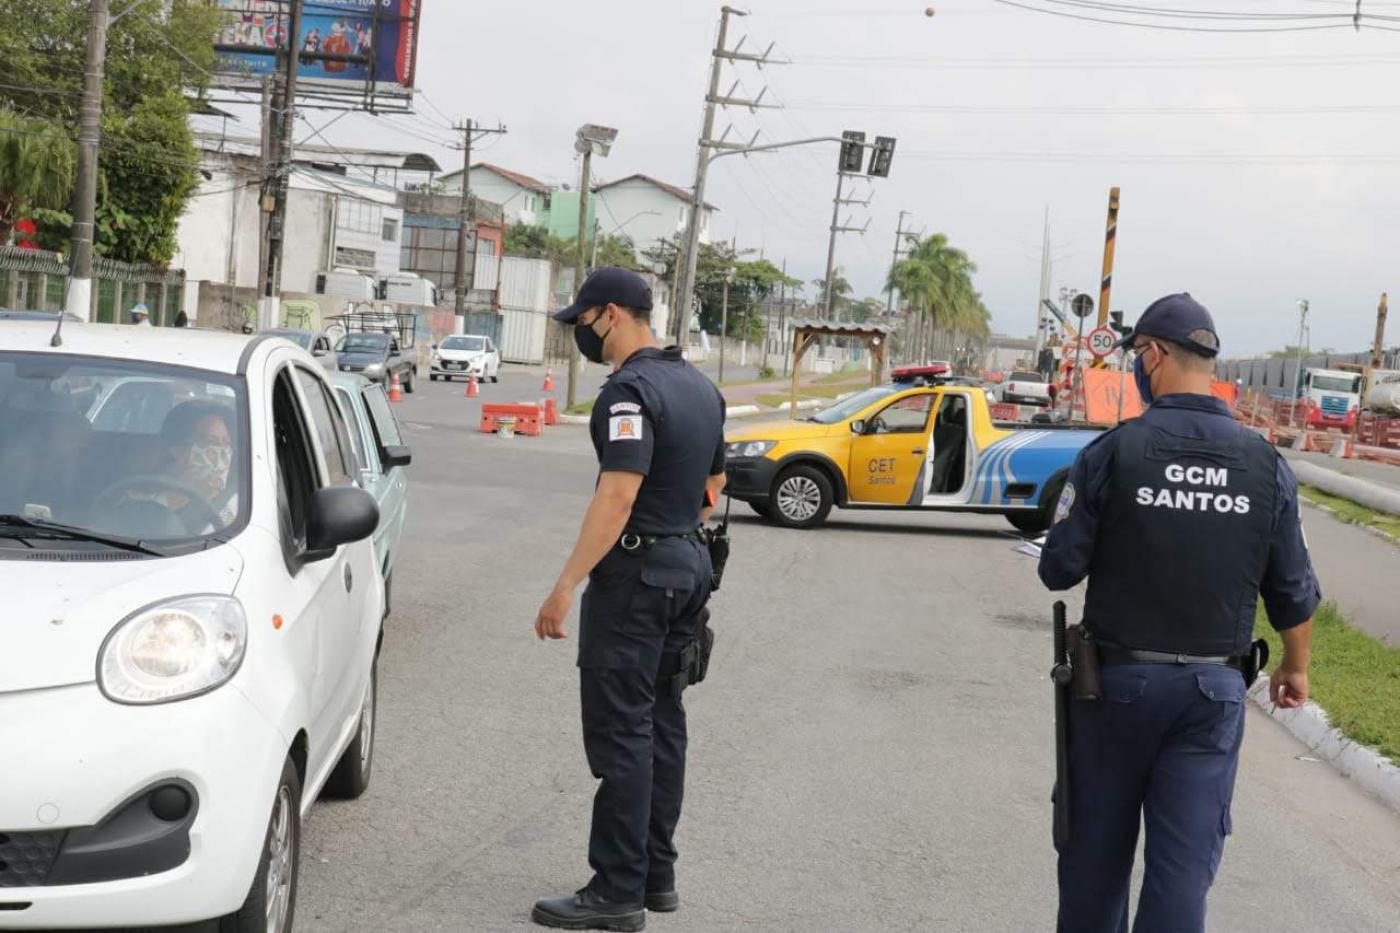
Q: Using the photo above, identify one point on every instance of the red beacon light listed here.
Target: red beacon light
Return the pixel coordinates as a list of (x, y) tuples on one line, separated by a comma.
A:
[(921, 374)]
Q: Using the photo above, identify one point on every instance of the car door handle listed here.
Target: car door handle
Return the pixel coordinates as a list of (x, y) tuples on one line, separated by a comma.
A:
[(917, 450), (349, 578)]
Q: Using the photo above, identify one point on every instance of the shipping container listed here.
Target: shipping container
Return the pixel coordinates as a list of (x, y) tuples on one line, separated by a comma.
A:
[(525, 308)]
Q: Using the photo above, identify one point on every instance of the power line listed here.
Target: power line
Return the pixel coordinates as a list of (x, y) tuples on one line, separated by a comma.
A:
[(1162, 110), (1170, 28), (1086, 63)]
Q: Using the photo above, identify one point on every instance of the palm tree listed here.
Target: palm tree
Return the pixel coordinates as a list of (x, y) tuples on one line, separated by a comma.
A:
[(36, 168), (840, 289), (936, 278)]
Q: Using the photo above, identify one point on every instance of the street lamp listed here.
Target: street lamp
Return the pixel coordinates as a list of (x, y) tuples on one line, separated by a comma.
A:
[(590, 139)]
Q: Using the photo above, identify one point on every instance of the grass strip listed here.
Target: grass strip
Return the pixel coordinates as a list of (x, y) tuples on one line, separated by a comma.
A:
[(582, 408), (773, 400), (1354, 677), (1352, 513)]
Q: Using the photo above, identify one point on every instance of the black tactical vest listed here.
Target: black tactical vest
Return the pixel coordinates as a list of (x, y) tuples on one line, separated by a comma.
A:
[(1183, 541)]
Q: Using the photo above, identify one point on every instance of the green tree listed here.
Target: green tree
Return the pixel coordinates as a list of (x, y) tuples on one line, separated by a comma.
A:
[(36, 168), (936, 279), (840, 290), (158, 55), (536, 243), (616, 251)]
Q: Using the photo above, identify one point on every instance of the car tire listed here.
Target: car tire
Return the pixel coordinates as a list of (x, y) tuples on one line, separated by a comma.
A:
[(274, 888), (496, 376), (432, 377), (801, 497), (350, 778), (763, 510), (1039, 520), (409, 378)]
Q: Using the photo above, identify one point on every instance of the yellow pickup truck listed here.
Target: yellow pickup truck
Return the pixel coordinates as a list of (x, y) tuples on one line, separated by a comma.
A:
[(922, 441)]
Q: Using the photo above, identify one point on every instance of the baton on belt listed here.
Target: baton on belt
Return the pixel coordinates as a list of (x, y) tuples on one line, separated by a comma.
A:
[(1060, 676)]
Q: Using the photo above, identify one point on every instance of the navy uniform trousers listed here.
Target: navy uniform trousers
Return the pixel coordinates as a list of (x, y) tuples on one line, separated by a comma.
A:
[(1163, 743), (639, 611)]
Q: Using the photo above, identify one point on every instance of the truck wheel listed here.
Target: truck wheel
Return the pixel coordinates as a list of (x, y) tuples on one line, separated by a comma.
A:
[(272, 900), (801, 497), (1039, 520)]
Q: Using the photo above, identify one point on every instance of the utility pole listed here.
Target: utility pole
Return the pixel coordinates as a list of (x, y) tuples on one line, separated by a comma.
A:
[(1110, 238), (79, 301), (1298, 364), (268, 152), (584, 181), (269, 307), (1376, 346), (829, 298), (1042, 324), (899, 233), (464, 274), (724, 321)]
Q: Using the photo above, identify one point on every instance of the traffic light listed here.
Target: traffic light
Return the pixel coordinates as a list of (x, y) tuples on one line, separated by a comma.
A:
[(881, 157), (852, 151), (1115, 320)]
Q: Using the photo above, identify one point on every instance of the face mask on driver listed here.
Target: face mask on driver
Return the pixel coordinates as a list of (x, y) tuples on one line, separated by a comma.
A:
[(1143, 380), (589, 343), (208, 467)]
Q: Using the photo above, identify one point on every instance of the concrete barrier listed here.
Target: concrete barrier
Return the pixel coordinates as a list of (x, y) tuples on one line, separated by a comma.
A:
[(1361, 491)]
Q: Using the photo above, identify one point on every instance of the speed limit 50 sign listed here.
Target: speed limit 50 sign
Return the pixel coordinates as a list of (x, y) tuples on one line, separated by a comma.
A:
[(1101, 341)]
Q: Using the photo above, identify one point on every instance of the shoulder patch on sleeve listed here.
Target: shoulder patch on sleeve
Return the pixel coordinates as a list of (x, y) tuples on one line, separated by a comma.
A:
[(631, 408), (1062, 508), (625, 428)]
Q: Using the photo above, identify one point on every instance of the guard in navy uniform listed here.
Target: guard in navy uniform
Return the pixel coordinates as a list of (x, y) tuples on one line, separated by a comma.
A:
[(658, 429), (1181, 519)]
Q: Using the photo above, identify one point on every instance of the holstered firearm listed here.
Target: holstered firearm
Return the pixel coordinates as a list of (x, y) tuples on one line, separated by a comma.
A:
[(1255, 661), (1061, 675), (692, 662), (716, 541)]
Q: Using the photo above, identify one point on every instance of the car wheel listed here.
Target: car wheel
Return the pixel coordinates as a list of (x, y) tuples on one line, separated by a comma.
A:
[(350, 778), (1039, 520), (408, 381), (801, 497), (432, 377), (272, 900), (762, 511)]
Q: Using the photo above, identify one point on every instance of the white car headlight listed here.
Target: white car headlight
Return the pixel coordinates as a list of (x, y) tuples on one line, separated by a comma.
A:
[(750, 448), (173, 650)]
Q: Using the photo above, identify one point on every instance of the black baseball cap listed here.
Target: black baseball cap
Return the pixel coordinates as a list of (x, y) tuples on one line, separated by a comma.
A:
[(609, 285), (1180, 319)]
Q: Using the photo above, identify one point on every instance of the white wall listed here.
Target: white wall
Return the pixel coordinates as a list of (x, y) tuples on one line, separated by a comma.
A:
[(520, 205), (630, 199), (203, 235)]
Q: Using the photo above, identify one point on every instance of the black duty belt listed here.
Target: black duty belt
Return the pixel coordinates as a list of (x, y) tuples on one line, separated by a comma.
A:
[(1112, 654), (631, 541)]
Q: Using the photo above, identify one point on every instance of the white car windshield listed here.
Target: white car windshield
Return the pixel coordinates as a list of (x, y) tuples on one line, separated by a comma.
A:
[(124, 449), (473, 344)]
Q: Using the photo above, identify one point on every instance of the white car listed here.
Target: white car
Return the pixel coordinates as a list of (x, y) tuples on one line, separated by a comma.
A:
[(193, 613), (466, 355), (1023, 387)]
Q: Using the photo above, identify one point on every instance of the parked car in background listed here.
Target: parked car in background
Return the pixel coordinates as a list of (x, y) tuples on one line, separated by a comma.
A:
[(193, 613), (466, 355), (318, 345), (10, 314), (382, 458), (1023, 387), (377, 357)]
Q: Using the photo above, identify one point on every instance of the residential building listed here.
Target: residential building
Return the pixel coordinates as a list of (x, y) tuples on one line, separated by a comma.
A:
[(646, 210), (523, 200), (429, 246)]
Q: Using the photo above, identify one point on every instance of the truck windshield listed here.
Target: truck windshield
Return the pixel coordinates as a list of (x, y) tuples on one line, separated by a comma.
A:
[(848, 407), (464, 343), (1335, 383), (361, 342), (125, 449)]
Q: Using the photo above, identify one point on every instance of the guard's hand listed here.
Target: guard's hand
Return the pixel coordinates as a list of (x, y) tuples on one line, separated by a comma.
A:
[(1288, 688), (550, 621)]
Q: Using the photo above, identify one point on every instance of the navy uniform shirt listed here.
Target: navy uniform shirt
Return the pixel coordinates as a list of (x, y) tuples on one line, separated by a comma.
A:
[(1289, 587), (658, 416)]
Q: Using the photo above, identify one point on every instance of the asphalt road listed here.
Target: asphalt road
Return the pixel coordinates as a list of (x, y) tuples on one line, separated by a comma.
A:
[(872, 749)]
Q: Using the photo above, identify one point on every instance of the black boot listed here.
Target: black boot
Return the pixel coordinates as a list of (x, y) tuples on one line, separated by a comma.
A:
[(587, 911), (663, 902)]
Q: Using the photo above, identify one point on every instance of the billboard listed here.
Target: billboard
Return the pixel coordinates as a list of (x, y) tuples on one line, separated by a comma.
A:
[(345, 46)]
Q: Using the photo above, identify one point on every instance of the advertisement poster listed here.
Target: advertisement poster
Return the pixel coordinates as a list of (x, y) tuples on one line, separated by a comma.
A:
[(355, 41)]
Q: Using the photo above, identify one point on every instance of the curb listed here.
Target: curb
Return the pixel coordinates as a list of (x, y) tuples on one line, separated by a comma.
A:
[(1373, 496), (1383, 535), (802, 404), (739, 411), (574, 419), (1376, 774)]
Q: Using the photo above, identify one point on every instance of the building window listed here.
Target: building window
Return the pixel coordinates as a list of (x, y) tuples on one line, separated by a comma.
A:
[(431, 252), (391, 230), (359, 216)]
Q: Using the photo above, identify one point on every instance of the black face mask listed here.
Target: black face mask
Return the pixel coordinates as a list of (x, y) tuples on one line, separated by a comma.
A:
[(588, 341)]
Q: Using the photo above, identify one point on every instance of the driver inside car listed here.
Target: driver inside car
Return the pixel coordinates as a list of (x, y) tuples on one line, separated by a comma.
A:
[(191, 480)]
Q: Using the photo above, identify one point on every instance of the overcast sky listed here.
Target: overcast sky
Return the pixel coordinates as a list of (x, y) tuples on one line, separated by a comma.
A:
[(1273, 194)]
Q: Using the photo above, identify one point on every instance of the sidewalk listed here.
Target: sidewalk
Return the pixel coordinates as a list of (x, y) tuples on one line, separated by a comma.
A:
[(1362, 469), (747, 393), (1358, 570)]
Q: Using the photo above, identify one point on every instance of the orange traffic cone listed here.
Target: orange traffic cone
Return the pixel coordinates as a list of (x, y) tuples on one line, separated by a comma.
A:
[(551, 411), (395, 389), (549, 380), (471, 386)]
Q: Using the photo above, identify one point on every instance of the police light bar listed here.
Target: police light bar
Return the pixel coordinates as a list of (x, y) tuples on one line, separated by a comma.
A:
[(917, 373)]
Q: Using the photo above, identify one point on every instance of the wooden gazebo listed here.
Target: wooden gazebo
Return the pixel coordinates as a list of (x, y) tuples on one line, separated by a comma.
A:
[(806, 333)]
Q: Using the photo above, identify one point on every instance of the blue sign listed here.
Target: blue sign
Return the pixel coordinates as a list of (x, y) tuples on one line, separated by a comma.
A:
[(359, 41)]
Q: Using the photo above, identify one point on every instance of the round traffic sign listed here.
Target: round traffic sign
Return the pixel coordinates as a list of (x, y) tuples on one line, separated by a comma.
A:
[(1101, 341), (1081, 305)]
